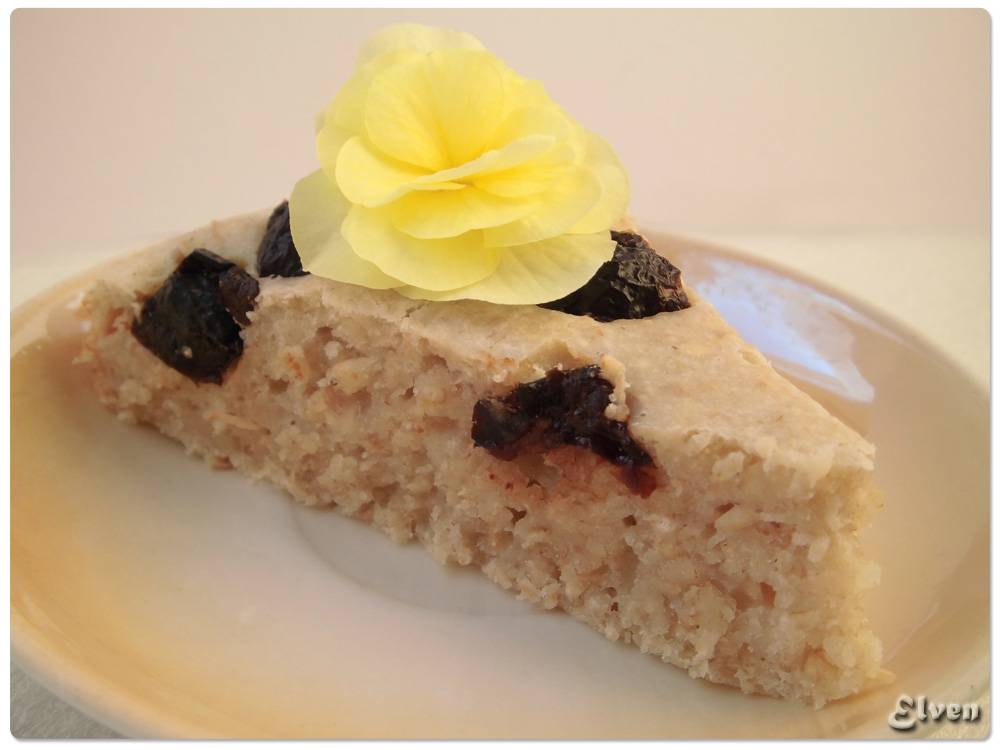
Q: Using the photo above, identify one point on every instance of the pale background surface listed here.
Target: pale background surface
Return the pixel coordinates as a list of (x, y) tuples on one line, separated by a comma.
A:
[(850, 145)]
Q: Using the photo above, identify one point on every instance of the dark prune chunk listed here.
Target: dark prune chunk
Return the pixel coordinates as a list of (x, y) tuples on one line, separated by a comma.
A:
[(190, 322), (277, 255), (203, 261), (238, 291), (562, 408), (635, 283), (500, 428)]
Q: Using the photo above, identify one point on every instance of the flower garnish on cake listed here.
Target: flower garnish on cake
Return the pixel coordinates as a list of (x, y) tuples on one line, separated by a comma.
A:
[(446, 175)]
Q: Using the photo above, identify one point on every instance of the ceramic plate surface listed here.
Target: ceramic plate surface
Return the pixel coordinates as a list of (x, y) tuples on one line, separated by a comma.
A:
[(168, 599)]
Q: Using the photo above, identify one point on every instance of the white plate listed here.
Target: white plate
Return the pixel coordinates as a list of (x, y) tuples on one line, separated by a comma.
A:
[(167, 599)]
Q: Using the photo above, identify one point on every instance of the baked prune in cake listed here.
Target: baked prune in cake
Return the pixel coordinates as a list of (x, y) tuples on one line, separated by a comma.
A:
[(192, 322), (238, 290), (562, 408), (277, 255), (636, 283)]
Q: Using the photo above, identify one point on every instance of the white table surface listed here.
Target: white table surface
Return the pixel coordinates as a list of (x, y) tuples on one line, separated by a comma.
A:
[(829, 142)]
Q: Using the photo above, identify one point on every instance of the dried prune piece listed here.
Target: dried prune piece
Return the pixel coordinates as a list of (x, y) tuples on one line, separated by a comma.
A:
[(190, 322), (562, 408), (203, 261), (635, 283), (238, 291), (277, 255)]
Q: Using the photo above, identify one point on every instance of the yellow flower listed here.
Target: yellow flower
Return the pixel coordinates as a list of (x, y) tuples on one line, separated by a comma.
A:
[(445, 175)]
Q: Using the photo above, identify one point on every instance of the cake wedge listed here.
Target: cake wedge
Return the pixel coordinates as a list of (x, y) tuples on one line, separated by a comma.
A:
[(653, 477)]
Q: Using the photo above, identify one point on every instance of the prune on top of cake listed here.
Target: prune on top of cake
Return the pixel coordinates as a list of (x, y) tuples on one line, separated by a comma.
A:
[(192, 322), (562, 408), (636, 283), (276, 255)]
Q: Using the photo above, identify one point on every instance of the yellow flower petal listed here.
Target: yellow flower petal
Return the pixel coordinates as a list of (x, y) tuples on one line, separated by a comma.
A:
[(316, 210), (468, 92), (371, 179), (532, 120), (415, 37), (601, 159), (329, 140), (438, 111), (368, 178), (400, 119), (567, 200), (449, 213), (529, 178), (523, 92), (347, 110), (431, 264), (509, 156), (530, 274)]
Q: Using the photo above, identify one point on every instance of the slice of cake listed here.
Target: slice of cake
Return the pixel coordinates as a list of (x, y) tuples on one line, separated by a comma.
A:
[(441, 336), (710, 517)]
